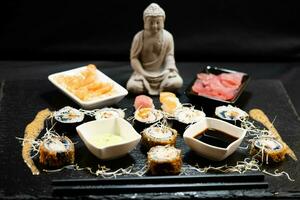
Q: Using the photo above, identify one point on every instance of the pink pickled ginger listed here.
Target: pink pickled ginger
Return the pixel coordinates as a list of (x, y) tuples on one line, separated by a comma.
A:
[(223, 86)]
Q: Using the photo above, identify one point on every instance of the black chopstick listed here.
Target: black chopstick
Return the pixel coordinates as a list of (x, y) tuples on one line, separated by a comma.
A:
[(250, 177), (148, 188)]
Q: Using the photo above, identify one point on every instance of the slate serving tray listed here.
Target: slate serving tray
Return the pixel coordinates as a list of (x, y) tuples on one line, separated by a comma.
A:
[(23, 99)]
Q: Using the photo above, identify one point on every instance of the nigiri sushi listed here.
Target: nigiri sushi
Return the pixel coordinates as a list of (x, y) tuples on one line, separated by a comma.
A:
[(164, 95), (143, 101), (170, 103)]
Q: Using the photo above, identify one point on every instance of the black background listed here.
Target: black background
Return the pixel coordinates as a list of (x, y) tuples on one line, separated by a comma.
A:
[(37, 38), (262, 37), (103, 30)]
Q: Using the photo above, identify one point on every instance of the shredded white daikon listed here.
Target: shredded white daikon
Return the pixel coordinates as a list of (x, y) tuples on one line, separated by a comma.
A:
[(105, 172), (34, 145), (276, 173)]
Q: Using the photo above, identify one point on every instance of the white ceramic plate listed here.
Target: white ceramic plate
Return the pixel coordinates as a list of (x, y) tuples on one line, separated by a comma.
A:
[(98, 102)]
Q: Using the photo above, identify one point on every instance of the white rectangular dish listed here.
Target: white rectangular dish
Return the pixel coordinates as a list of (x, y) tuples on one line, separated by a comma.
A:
[(101, 101)]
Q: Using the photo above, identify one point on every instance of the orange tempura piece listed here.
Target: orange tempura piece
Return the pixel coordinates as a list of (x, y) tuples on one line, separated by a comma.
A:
[(85, 85)]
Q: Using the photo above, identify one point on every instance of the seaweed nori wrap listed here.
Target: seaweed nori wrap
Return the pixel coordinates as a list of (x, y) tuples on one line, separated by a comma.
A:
[(67, 119), (145, 117)]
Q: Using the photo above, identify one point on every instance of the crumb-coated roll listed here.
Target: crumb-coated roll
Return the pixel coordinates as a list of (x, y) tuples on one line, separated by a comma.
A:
[(268, 149), (164, 160), (158, 135), (56, 152)]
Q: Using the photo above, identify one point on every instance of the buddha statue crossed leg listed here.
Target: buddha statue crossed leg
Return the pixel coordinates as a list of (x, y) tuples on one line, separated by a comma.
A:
[(152, 56)]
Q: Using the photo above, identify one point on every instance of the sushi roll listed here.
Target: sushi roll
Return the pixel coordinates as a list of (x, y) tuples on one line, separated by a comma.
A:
[(67, 119), (145, 113), (170, 103), (56, 152), (231, 114), (145, 117), (106, 113), (158, 134), (268, 149), (164, 160), (186, 116)]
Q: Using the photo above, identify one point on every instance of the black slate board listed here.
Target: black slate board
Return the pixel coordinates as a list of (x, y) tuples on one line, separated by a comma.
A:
[(21, 100)]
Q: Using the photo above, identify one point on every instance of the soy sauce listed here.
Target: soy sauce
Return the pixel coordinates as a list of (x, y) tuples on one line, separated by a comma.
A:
[(215, 138)]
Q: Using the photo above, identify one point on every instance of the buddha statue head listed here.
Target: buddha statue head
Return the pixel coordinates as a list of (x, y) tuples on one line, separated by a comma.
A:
[(154, 10), (154, 17)]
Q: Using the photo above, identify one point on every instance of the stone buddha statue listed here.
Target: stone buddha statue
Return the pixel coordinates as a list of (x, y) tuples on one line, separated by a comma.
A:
[(152, 56)]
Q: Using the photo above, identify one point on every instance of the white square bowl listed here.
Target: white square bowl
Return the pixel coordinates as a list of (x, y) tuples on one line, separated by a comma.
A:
[(119, 94), (116, 126), (209, 151)]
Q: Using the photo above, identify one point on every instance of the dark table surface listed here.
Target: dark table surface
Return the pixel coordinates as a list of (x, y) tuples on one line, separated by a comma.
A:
[(287, 72), (25, 90)]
